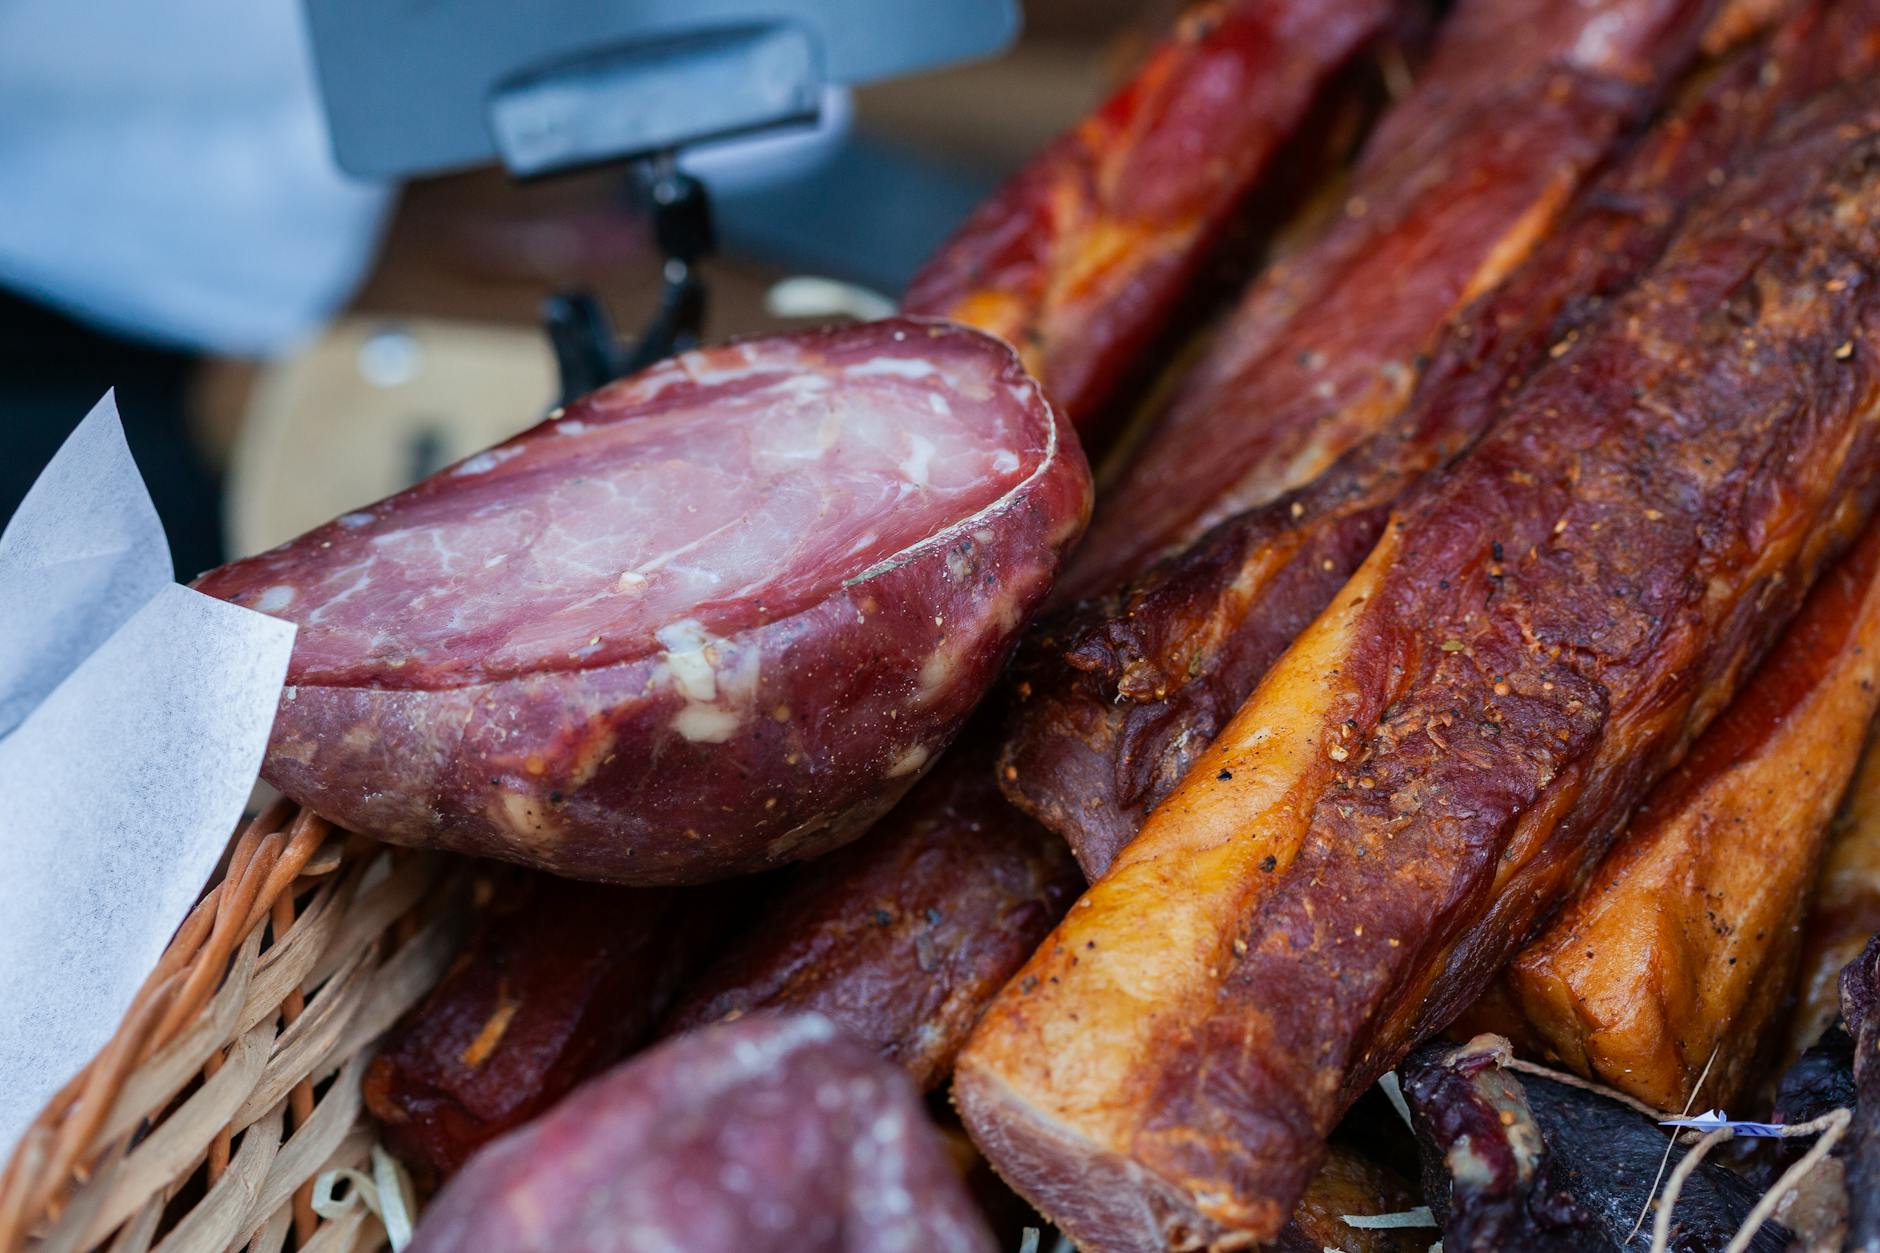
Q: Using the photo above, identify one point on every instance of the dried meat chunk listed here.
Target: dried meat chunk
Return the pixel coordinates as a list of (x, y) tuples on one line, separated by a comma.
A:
[(905, 935), (557, 982), (1515, 1160), (1120, 694), (1463, 177), (1085, 255), (1436, 762), (1679, 954), (772, 1134), (712, 618)]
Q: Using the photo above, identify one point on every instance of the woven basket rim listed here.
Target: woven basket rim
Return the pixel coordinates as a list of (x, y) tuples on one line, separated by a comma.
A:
[(238, 1062)]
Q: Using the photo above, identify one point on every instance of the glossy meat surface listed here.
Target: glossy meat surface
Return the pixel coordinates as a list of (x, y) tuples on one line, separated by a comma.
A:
[(556, 983), (1121, 694), (1460, 181), (774, 1134), (1844, 910), (713, 618), (1442, 756), (1084, 255), (903, 937), (1683, 944)]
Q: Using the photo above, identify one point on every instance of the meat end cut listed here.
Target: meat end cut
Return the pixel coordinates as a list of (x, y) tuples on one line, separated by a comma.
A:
[(772, 1134), (713, 617)]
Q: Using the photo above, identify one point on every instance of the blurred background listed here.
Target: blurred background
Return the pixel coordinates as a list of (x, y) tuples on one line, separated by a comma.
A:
[(288, 343)]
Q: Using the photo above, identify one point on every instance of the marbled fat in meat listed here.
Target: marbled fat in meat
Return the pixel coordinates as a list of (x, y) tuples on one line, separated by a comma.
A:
[(712, 618)]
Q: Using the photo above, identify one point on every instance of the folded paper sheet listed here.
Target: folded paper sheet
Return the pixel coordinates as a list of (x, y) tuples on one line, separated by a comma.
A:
[(133, 716)]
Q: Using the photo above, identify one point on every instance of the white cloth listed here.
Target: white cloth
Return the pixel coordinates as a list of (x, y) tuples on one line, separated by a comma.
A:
[(165, 171)]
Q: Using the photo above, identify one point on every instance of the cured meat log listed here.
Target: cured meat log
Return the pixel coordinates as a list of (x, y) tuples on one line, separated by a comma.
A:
[(1083, 257), (773, 1133), (558, 981), (712, 618), (1444, 753), (1520, 100), (903, 937), (1518, 1161), (1680, 953), (1844, 910), (1120, 695)]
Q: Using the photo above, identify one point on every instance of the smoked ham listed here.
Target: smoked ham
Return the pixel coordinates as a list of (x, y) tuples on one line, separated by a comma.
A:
[(1442, 756), (714, 617)]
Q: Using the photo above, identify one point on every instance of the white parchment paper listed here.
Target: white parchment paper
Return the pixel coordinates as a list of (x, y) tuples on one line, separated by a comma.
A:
[(134, 713)]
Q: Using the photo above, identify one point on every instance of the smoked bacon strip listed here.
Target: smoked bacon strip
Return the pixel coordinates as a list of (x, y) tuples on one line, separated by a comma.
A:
[(1083, 257), (1521, 99), (1439, 759), (1680, 953), (1119, 695)]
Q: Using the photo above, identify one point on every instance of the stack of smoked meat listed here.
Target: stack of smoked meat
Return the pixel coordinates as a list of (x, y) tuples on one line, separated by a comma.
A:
[(1431, 802)]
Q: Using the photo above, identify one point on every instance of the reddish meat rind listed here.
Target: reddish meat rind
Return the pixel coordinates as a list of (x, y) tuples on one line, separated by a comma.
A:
[(558, 981), (1120, 694), (1459, 183), (904, 936), (1083, 257), (1517, 1161), (776, 729), (1433, 766), (773, 1134)]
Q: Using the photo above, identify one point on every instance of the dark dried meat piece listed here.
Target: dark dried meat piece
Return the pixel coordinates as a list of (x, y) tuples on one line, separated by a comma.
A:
[(772, 1134)]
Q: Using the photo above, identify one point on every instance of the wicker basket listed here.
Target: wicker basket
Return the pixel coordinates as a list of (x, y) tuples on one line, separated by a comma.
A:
[(225, 1113)]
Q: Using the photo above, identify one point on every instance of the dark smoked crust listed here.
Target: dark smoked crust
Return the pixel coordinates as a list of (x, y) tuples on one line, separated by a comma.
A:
[(1548, 624), (905, 935), (1168, 163), (1121, 693), (1617, 554), (557, 982), (586, 773)]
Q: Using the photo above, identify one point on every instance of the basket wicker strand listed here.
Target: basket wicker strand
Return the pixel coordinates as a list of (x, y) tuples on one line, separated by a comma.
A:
[(233, 1082)]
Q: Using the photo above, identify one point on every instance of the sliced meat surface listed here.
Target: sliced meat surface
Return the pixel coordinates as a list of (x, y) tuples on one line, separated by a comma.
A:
[(713, 617)]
